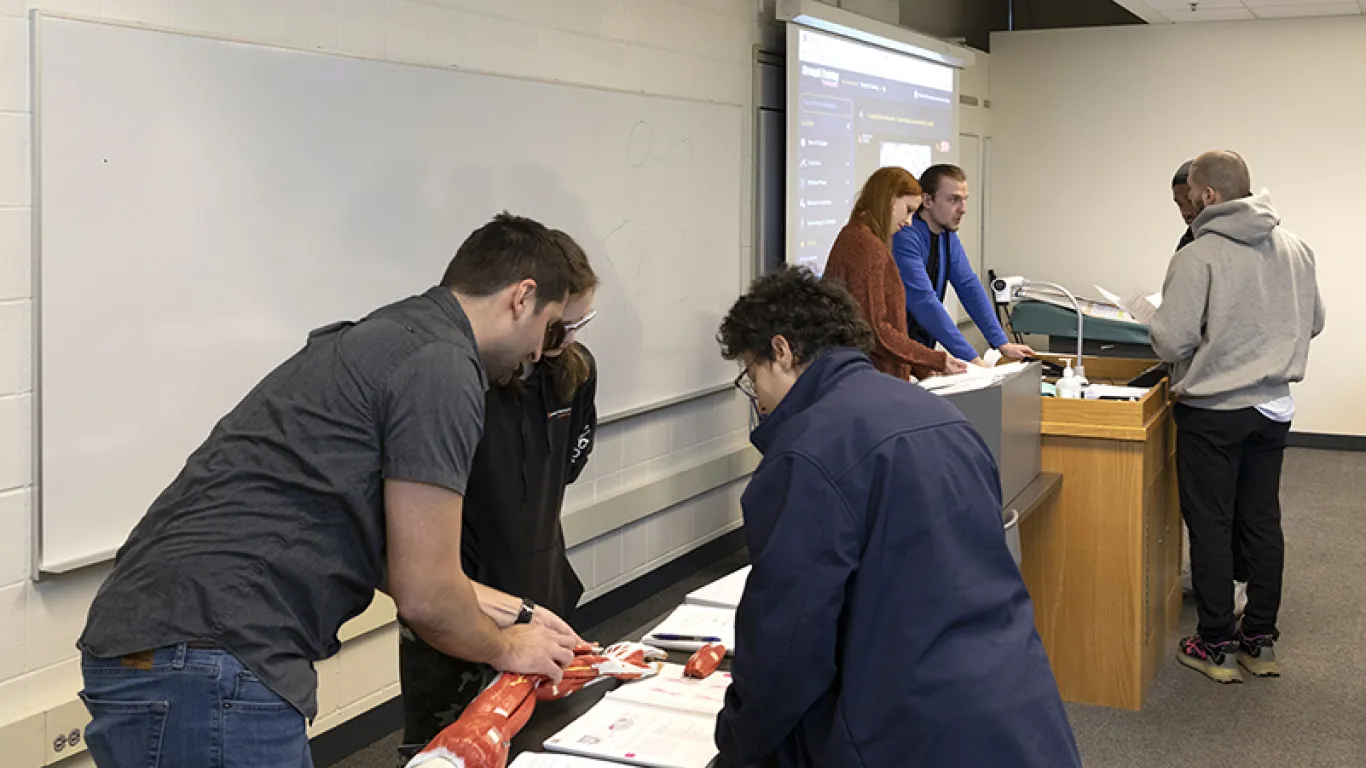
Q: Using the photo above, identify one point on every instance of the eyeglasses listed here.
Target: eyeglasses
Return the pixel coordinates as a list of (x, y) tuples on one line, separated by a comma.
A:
[(745, 383), (558, 333)]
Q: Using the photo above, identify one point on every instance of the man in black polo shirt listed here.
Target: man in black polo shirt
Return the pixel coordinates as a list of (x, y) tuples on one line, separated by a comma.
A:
[(341, 473)]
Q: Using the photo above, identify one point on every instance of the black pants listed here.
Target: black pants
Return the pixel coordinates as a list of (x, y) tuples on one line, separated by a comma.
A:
[(436, 689), (1229, 472)]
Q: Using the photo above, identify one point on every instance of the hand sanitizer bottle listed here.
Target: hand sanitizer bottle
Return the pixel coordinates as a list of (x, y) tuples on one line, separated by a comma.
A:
[(1069, 386)]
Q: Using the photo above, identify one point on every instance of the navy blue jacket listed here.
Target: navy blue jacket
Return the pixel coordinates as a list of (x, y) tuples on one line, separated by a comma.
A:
[(884, 623), (925, 300)]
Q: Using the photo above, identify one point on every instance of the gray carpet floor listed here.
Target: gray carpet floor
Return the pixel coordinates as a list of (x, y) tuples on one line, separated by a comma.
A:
[(1314, 716)]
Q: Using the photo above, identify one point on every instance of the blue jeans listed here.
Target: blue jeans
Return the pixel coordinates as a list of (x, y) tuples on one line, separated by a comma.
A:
[(182, 707)]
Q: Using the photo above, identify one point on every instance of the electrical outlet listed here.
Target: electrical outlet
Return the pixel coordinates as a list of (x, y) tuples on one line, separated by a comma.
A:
[(65, 731)]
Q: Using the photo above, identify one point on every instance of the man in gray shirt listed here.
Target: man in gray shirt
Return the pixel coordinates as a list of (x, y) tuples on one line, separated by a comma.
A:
[(1239, 307), (342, 472)]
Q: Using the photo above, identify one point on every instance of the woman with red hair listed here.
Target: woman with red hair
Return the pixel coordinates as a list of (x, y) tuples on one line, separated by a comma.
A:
[(861, 259)]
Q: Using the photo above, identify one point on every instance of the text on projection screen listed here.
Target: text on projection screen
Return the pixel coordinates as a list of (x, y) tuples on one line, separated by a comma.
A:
[(857, 108)]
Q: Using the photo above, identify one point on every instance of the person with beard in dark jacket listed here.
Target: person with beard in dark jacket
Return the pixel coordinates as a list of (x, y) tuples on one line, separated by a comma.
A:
[(884, 623), (538, 434), (1181, 193)]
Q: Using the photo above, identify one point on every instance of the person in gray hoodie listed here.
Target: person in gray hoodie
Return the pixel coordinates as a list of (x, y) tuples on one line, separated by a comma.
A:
[(1240, 305)]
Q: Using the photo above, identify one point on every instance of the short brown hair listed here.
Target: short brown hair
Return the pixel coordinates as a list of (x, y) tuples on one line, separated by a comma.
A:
[(1224, 172), (935, 175), (506, 251), (874, 204)]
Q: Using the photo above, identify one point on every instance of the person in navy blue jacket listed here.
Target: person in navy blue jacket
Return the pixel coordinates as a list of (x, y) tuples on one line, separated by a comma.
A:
[(884, 622), (929, 256)]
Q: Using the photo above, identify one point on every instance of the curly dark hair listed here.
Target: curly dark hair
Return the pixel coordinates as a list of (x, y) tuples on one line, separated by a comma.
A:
[(813, 315)]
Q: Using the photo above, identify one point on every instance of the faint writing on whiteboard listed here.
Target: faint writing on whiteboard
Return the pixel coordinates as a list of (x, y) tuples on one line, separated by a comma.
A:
[(650, 256), (653, 143)]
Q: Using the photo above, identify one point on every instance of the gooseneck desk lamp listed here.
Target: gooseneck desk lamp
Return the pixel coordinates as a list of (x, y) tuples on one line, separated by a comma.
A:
[(1010, 289)]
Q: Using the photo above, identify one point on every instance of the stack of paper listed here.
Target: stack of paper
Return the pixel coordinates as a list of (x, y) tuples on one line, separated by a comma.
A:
[(690, 627), (722, 593), (667, 721), (976, 377)]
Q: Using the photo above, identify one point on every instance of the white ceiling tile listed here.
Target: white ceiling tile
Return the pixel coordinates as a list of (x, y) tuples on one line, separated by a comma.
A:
[(1160, 11), (1204, 5), (1256, 4), (1222, 14), (1317, 9)]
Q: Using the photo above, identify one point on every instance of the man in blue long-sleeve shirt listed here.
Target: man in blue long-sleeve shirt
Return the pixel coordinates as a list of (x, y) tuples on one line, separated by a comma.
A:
[(929, 256), (884, 623)]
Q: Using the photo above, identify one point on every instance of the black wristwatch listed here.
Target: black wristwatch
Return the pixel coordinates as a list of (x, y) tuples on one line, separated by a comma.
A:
[(528, 610)]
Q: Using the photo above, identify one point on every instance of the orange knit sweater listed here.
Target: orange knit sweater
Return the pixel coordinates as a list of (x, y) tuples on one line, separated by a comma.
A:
[(864, 264)]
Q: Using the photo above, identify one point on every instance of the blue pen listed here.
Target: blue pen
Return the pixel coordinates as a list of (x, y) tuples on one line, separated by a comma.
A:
[(686, 638)]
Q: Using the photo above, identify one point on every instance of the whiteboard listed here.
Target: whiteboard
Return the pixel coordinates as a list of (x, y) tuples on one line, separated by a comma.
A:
[(203, 204)]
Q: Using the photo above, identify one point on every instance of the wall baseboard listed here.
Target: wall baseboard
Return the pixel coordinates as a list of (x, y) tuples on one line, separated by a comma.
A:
[(348, 738), (1327, 442)]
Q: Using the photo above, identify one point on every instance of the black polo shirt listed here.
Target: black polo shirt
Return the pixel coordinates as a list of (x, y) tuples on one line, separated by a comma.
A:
[(273, 534)]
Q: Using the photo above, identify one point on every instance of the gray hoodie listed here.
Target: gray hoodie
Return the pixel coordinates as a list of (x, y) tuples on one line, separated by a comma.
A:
[(1239, 307)]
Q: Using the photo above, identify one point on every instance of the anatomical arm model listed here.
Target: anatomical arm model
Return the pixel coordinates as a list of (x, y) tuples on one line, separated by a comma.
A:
[(482, 737)]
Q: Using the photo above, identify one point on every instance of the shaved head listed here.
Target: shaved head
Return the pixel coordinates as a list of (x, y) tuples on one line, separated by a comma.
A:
[(1224, 172)]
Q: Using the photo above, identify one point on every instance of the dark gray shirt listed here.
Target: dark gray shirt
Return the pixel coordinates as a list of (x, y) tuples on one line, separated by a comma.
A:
[(273, 534)]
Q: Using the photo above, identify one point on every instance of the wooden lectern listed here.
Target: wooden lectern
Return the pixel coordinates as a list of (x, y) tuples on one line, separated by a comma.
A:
[(1102, 557)]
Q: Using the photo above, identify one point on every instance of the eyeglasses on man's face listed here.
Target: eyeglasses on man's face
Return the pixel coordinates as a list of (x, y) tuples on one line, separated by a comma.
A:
[(745, 383), (559, 333)]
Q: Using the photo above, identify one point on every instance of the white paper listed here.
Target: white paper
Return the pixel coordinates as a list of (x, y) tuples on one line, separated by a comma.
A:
[(671, 689), (1097, 391), (960, 386), (1144, 307), (697, 620), (722, 593), (639, 735), (1139, 308), (1089, 307), (543, 760), (975, 377)]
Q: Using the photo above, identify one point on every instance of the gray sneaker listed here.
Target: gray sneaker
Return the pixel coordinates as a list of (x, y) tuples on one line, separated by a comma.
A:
[(1213, 660), (1257, 654)]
